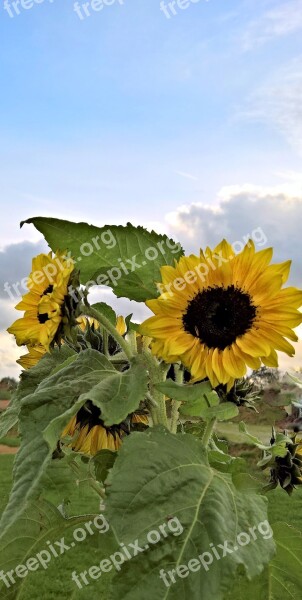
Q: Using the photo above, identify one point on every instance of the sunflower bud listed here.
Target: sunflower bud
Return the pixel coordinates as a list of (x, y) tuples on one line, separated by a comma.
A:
[(287, 470)]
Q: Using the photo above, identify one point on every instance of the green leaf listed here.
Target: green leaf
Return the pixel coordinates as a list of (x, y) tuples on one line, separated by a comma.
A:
[(128, 259), (29, 380), (66, 362), (200, 401), (173, 483), (196, 398), (40, 522), (222, 412), (226, 463), (277, 449), (186, 392), (105, 310), (282, 579), (121, 393), (43, 416), (103, 461)]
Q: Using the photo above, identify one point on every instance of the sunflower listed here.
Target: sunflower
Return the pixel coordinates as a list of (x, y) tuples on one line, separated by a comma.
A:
[(43, 304), (219, 313), (90, 435), (33, 356)]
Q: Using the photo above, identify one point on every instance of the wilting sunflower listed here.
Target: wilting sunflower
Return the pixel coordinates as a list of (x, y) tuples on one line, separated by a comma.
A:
[(90, 435), (33, 356), (48, 286), (219, 313)]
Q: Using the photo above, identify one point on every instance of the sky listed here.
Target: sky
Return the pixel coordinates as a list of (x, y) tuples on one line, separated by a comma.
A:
[(190, 123)]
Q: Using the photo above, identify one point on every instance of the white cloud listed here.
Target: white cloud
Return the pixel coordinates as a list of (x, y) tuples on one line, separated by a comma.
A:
[(281, 20), (122, 306), (9, 353), (242, 210), (279, 103)]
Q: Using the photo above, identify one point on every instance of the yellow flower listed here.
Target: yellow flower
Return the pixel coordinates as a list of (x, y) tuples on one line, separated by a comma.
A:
[(90, 435), (121, 326), (84, 321), (219, 313), (48, 286), (35, 354)]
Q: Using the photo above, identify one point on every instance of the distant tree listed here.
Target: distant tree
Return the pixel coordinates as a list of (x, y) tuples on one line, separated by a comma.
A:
[(265, 376), (9, 382)]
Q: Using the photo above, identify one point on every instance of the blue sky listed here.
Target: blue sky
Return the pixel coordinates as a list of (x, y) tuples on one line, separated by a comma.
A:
[(128, 115)]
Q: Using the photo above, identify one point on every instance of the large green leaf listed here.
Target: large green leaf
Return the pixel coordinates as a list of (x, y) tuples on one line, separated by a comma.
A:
[(158, 477), (41, 522), (281, 580), (120, 394), (29, 380), (43, 416), (128, 259)]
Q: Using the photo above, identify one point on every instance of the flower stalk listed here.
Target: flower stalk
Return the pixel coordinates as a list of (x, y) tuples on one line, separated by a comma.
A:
[(207, 434)]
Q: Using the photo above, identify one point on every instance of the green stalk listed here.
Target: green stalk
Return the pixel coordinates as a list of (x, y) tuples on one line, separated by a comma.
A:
[(207, 434), (156, 375), (179, 377)]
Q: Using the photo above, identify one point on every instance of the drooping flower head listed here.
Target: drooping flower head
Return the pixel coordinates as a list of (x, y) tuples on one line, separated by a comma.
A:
[(90, 435), (219, 313), (43, 304)]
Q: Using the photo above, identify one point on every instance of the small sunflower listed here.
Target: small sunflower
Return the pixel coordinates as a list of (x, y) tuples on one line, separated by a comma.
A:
[(48, 287), (33, 356), (90, 435), (219, 313)]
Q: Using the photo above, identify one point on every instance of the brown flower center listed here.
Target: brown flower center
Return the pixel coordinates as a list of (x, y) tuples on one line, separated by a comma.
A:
[(218, 316)]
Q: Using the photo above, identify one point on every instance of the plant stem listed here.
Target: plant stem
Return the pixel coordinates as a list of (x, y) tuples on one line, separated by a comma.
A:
[(92, 482), (157, 375), (179, 377), (207, 434), (105, 342), (131, 339), (91, 312)]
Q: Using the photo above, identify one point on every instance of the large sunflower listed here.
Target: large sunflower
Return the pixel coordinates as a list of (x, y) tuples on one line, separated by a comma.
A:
[(219, 313), (48, 286), (90, 435)]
